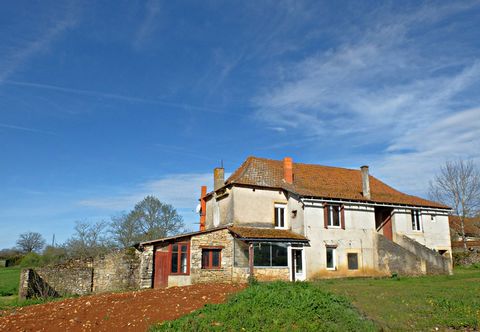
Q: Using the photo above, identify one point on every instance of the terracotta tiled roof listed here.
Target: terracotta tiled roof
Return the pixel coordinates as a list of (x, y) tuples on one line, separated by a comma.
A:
[(470, 244), (472, 225), (266, 233), (321, 181)]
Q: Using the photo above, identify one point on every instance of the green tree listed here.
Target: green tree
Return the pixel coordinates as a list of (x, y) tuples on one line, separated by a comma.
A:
[(150, 219)]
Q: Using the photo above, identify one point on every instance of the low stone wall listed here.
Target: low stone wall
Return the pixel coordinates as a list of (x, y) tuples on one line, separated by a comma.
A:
[(394, 259), (466, 258), (435, 263), (117, 271), (113, 272)]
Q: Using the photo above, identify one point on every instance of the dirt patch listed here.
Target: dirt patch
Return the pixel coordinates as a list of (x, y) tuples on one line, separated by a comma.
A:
[(129, 311)]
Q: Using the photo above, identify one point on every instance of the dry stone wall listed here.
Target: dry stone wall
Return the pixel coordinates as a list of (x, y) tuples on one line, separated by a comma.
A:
[(113, 272)]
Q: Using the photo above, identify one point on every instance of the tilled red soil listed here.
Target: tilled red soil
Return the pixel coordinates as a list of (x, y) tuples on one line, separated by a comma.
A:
[(130, 311)]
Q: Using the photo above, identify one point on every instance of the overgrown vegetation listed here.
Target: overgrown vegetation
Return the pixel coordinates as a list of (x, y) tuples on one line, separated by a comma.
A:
[(416, 303), (277, 306)]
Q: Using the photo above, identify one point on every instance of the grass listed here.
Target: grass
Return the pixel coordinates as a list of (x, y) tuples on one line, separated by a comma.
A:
[(427, 303), (415, 304), (277, 306), (9, 280)]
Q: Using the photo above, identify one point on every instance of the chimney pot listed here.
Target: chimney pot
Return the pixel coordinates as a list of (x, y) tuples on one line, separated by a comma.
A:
[(365, 182), (288, 170), (218, 178)]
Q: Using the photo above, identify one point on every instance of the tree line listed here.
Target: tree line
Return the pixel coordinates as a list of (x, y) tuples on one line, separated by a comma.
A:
[(150, 219)]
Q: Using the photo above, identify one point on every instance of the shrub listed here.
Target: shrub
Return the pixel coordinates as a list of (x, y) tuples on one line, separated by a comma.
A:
[(31, 260)]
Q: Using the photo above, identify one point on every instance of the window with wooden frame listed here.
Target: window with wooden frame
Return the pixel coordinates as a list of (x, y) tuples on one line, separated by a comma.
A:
[(280, 215), (331, 261), (334, 216), (211, 258), (416, 220), (352, 260), (180, 258)]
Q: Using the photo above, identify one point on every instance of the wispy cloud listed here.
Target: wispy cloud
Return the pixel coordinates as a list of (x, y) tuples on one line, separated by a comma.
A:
[(148, 24), (180, 190), (380, 86), (113, 96), (27, 129), (25, 46)]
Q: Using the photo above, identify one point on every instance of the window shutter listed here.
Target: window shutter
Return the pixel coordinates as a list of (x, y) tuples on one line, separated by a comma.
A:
[(325, 215), (342, 216)]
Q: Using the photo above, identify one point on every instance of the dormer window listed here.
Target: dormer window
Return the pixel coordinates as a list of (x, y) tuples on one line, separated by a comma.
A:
[(280, 215)]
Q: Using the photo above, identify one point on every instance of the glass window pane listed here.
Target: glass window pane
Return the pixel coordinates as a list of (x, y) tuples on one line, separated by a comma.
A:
[(330, 258), (216, 258), (205, 257), (279, 255), (352, 261), (183, 263), (184, 248), (175, 248), (174, 262), (261, 254), (282, 218), (277, 222), (336, 215), (298, 261)]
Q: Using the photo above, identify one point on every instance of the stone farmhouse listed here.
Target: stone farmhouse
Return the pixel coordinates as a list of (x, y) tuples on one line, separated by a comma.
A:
[(279, 220)]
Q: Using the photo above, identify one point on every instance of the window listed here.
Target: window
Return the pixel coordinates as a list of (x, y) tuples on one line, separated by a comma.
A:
[(334, 215), (280, 216), (352, 259), (331, 261), (179, 263), (211, 258), (270, 254), (416, 220), (433, 218)]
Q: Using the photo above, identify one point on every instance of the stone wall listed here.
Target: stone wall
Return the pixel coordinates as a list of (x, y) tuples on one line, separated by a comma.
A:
[(73, 277), (146, 267), (113, 272), (466, 258), (117, 271), (221, 238), (435, 263), (394, 259)]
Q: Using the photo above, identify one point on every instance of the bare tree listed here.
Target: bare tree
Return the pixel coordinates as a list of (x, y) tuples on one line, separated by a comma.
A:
[(89, 240), (125, 229), (30, 241), (458, 186)]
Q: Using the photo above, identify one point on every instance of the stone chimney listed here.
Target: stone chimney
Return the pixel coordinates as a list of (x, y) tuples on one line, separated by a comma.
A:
[(218, 178), (203, 208), (365, 182), (288, 170)]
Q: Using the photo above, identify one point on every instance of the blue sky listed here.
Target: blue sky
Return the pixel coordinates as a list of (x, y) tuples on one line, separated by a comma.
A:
[(104, 103)]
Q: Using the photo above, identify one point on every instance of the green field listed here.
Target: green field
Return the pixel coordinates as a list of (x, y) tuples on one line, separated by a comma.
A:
[(9, 279), (428, 303), (416, 304)]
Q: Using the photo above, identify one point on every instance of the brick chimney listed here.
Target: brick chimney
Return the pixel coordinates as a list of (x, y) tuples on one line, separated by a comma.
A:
[(218, 178), (365, 182), (203, 208), (288, 170)]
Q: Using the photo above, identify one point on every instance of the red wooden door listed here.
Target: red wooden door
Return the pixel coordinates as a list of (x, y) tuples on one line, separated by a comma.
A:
[(387, 229), (161, 270)]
